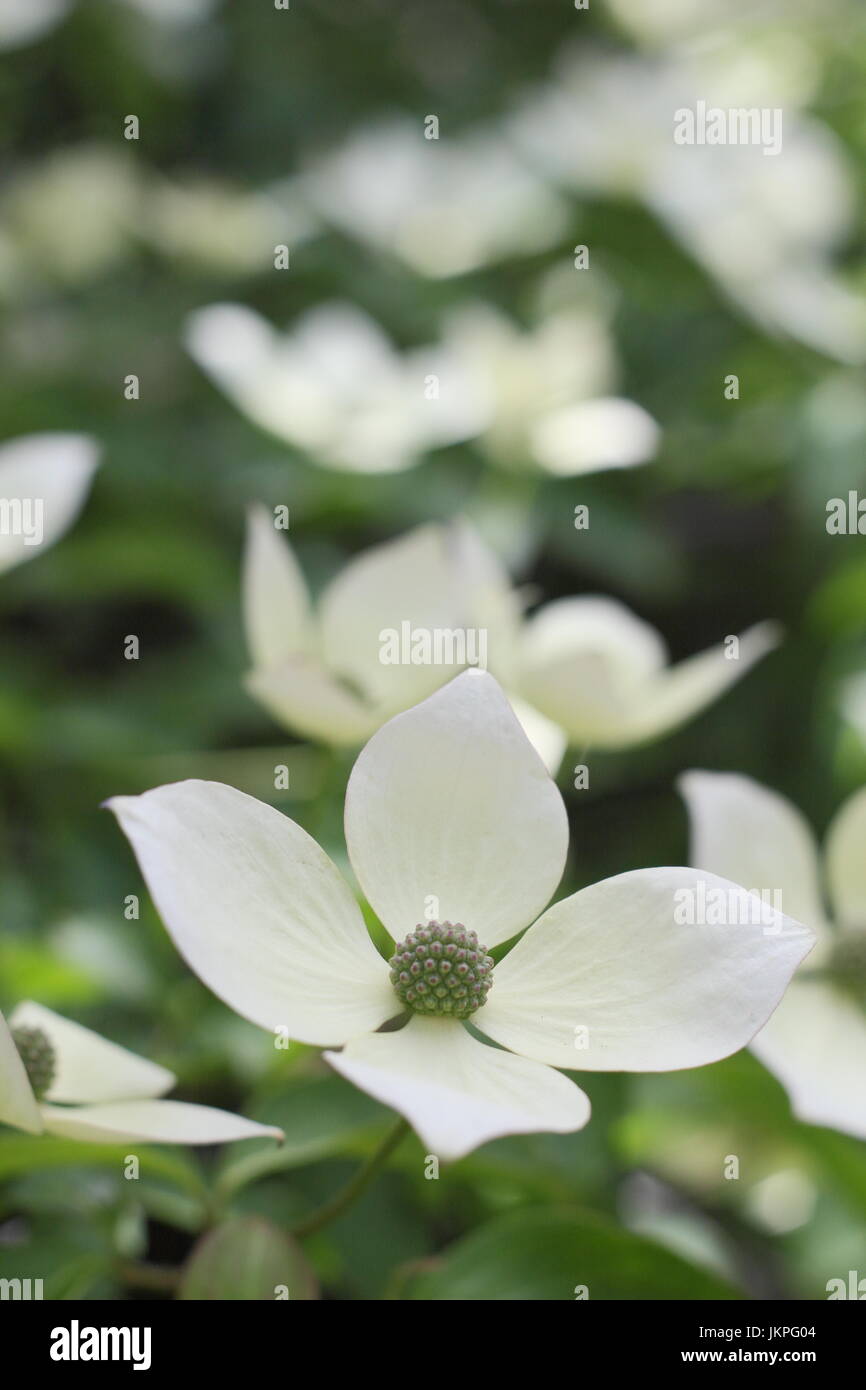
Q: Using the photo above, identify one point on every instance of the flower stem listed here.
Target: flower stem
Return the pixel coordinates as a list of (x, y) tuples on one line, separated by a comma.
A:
[(336, 1205)]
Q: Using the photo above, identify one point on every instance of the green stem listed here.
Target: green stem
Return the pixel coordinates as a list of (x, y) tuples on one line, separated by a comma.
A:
[(336, 1205)]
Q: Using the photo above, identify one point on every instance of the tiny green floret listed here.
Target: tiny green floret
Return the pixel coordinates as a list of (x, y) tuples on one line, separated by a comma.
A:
[(441, 970)]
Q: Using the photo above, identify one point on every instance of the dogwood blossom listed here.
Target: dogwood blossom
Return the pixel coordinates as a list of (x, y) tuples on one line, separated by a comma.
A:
[(548, 390), (815, 1042), (335, 386), (445, 207), (581, 670), (458, 839), (57, 1077)]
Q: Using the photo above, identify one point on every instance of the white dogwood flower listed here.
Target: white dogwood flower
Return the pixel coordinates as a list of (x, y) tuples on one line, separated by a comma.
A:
[(581, 670), (458, 839), (335, 386), (57, 1077), (602, 674), (548, 391), (443, 207), (44, 480), (321, 670), (815, 1043)]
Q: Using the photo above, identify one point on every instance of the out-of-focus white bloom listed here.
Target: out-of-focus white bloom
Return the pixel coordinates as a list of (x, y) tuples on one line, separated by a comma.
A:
[(335, 386), (220, 227), (59, 1078), (443, 206), (321, 671), (606, 126), (24, 21), (666, 21), (546, 391), (602, 674), (72, 215), (44, 480), (453, 823), (583, 670), (815, 1043)]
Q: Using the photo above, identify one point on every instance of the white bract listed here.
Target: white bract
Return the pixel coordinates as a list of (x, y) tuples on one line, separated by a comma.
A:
[(815, 1043), (44, 480), (335, 385), (451, 818), (603, 676), (581, 670), (546, 391), (101, 1093)]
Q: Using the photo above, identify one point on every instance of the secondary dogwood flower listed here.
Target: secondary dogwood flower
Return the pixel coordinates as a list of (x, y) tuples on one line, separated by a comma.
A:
[(458, 838), (602, 674), (816, 1040), (322, 673), (335, 386), (44, 480), (584, 670), (547, 392), (444, 208), (59, 1078)]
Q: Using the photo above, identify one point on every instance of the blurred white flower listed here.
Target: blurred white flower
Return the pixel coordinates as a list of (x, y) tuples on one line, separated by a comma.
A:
[(44, 480), (604, 126), (602, 674), (59, 1078), (335, 386), (458, 839), (545, 391), (815, 1043), (444, 207), (321, 671), (582, 670), (70, 216), (219, 226), (23, 21)]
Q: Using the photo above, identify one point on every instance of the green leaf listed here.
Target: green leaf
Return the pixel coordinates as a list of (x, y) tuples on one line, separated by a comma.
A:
[(536, 1254), (26, 1154), (320, 1118), (247, 1258)]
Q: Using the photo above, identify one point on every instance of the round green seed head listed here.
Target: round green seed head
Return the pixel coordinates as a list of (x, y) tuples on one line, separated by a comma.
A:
[(441, 970), (38, 1056)]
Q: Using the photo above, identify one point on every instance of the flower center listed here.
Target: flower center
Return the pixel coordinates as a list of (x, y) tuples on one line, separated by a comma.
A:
[(441, 969), (847, 964), (38, 1057)]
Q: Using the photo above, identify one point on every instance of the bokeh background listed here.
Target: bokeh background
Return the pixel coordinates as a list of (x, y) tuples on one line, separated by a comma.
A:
[(755, 267)]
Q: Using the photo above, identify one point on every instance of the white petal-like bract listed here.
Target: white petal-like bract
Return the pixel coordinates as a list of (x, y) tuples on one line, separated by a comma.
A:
[(456, 1092), (258, 911)]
